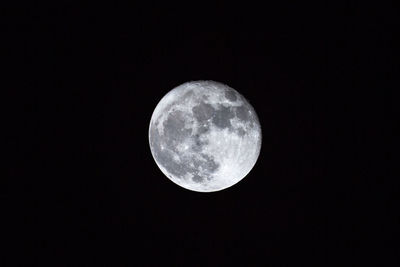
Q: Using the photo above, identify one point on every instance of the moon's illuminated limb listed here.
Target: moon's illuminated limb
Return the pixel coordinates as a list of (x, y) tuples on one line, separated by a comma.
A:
[(204, 136)]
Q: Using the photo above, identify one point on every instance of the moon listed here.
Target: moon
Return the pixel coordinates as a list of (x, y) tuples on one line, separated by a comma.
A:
[(204, 136)]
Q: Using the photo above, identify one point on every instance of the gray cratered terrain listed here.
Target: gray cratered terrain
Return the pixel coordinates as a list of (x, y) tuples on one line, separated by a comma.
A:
[(204, 136)]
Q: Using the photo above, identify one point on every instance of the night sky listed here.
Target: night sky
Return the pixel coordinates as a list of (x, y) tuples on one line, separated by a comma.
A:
[(84, 189)]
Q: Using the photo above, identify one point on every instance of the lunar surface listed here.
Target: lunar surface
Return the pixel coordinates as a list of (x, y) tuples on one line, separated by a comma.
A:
[(204, 136)]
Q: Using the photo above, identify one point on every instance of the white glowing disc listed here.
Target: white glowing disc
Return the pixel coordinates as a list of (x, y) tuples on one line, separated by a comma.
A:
[(204, 136)]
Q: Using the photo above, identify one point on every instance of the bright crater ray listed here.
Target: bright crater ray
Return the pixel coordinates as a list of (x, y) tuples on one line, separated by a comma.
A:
[(204, 136)]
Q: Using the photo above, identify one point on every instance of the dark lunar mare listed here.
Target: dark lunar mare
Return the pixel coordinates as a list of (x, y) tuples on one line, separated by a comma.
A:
[(174, 133)]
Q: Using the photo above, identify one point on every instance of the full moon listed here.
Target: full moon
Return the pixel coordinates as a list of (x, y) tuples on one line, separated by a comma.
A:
[(204, 136)]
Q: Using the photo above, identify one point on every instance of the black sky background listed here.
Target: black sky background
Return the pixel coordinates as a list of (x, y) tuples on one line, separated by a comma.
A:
[(85, 191)]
